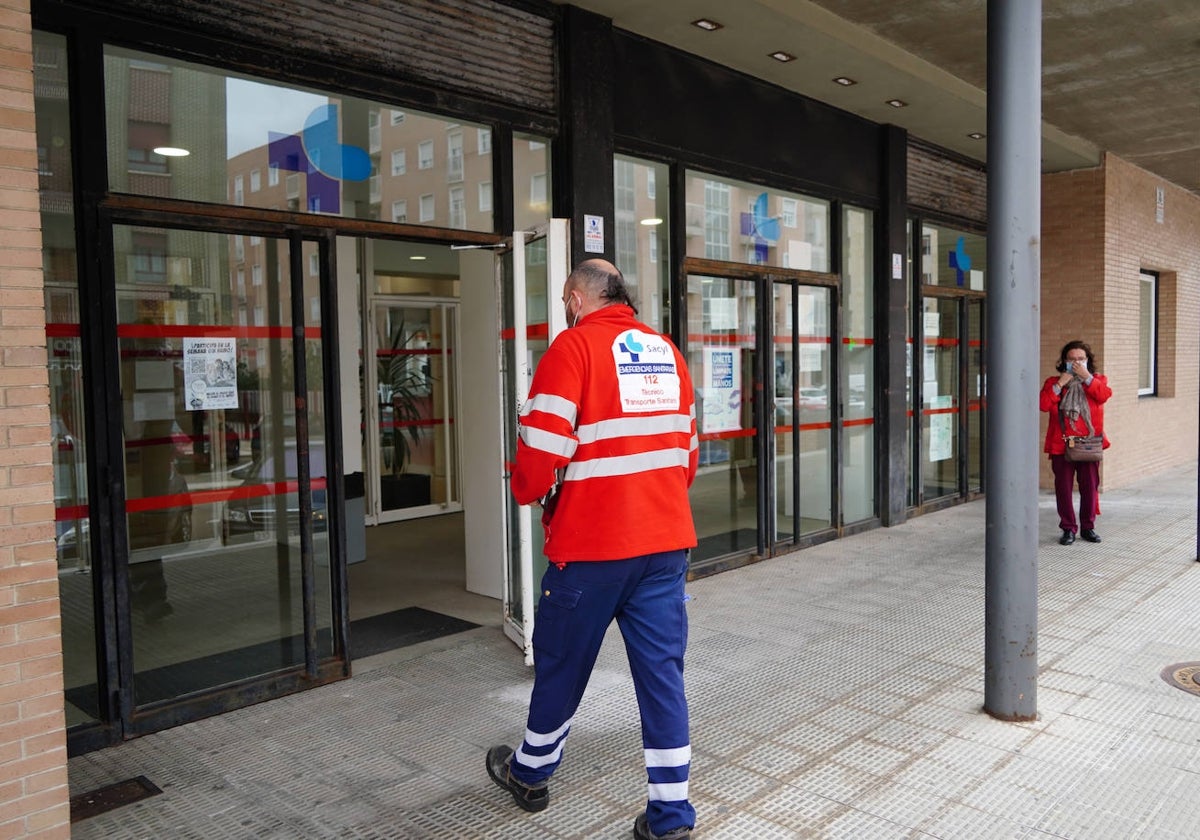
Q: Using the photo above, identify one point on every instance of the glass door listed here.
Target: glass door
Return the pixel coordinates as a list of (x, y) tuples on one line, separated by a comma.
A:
[(803, 455), (223, 541), (532, 277), (940, 397), (722, 354), (947, 377), (976, 389), (414, 452)]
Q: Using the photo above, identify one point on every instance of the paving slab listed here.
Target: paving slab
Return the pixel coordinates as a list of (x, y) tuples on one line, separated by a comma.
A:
[(835, 692)]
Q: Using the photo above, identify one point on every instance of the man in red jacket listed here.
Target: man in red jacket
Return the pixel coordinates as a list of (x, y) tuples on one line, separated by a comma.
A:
[(608, 446)]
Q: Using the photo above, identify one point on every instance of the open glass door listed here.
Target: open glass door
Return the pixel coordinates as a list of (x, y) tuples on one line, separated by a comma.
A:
[(533, 274), (415, 387)]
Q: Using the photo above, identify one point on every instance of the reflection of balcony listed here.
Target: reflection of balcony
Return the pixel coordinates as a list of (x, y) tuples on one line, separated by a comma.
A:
[(157, 184), (374, 189), (374, 139), (56, 201), (454, 169)]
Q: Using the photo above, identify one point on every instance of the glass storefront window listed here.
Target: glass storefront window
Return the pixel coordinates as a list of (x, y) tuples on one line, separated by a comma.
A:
[(64, 352), (741, 222), (858, 368), (186, 131), (914, 464), (642, 236), (531, 187), (953, 258)]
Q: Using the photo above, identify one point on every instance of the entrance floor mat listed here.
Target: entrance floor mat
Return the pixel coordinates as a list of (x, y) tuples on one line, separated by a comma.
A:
[(368, 636)]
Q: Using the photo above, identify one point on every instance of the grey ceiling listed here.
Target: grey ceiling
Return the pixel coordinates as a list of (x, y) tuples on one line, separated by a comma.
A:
[(1117, 75)]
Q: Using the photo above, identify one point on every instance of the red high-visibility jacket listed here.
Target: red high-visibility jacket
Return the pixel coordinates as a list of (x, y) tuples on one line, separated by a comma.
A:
[(611, 411)]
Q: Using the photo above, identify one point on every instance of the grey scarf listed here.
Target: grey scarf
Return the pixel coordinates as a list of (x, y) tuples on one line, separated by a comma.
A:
[(1074, 405)]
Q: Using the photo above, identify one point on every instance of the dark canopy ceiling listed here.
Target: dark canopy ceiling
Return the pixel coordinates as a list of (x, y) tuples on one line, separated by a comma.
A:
[(1117, 75)]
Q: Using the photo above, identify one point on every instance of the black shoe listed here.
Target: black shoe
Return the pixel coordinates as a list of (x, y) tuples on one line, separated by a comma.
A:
[(1067, 538), (534, 798), (641, 831), (1090, 535)]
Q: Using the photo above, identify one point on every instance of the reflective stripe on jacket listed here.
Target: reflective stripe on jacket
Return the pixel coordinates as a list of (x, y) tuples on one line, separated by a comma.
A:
[(610, 414)]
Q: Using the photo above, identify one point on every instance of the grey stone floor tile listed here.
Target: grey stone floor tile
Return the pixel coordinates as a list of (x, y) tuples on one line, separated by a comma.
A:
[(835, 692)]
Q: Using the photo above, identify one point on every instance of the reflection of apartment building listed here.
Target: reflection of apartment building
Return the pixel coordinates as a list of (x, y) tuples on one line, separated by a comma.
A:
[(742, 222), (150, 104), (424, 171), (430, 172)]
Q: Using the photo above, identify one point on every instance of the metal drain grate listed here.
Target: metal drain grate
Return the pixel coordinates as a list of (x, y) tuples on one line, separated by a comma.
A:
[(1185, 675), (112, 796)]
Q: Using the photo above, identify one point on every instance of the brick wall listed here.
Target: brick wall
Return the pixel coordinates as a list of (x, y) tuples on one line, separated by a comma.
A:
[(33, 760), (1099, 231)]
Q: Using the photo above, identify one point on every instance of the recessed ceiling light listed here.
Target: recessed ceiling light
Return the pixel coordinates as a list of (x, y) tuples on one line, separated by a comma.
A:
[(897, 103), (780, 55), (706, 24), (171, 151), (418, 257), (975, 135), (844, 81), (651, 222)]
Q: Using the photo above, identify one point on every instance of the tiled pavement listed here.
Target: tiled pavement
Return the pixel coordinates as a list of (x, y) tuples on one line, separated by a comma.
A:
[(835, 692)]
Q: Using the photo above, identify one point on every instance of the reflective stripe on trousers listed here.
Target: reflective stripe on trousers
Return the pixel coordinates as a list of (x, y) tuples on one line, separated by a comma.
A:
[(646, 597)]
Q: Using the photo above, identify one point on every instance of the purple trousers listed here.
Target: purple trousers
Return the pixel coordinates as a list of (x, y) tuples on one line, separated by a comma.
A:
[(1065, 474)]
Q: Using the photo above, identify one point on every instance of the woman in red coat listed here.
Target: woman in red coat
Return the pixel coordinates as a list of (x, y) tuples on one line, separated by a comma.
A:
[(1075, 400)]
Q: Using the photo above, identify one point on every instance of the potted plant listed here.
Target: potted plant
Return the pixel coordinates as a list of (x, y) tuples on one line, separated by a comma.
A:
[(404, 388)]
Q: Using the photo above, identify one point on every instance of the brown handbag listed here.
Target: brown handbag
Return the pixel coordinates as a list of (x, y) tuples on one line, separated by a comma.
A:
[(1081, 448), (1084, 447)]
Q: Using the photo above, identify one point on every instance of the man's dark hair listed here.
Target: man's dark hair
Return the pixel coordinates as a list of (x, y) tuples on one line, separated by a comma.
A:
[(607, 285)]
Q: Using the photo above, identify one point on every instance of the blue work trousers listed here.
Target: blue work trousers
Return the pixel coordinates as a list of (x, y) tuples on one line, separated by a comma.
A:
[(578, 602)]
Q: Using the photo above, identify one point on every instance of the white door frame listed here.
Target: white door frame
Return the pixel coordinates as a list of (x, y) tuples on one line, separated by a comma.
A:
[(557, 235)]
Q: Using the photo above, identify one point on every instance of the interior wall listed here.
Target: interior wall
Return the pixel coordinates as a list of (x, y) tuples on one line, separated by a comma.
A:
[(484, 492)]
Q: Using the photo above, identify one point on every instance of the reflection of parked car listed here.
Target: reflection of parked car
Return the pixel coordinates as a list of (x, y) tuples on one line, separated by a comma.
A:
[(147, 529), (256, 512), (809, 399), (813, 398)]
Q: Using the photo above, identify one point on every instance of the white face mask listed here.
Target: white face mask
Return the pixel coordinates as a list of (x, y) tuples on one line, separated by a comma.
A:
[(567, 310)]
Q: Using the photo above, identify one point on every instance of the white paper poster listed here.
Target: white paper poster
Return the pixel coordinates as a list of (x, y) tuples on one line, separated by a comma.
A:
[(593, 234), (941, 437), (210, 373), (722, 313), (721, 390)]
